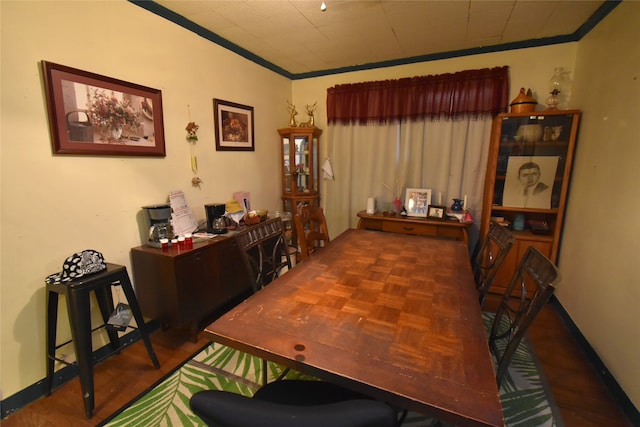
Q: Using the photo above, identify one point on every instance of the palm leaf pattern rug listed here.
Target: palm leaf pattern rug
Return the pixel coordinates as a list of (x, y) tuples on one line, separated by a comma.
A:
[(526, 399)]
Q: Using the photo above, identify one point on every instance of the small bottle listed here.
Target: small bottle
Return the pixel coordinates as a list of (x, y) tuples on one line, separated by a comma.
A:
[(188, 240)]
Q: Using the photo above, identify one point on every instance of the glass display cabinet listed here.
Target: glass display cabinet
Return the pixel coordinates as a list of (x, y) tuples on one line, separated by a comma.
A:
[(528, 173), (300, 147)]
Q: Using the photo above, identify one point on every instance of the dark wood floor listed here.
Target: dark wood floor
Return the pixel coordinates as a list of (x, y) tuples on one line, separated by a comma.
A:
[(578, 391)]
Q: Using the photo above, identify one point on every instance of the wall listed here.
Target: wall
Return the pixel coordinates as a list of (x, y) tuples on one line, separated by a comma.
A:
[(53, 206), (529, 68), (601, 279)]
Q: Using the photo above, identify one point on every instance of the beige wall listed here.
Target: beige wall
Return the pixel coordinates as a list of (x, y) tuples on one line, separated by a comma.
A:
[(55, 205), (529, 68), (599, 258)]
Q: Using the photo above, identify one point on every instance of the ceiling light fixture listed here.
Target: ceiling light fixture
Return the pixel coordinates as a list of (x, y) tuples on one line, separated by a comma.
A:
[(323, 7)]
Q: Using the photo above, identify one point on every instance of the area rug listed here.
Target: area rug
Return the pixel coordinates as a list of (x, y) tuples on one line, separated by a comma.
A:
[(525, 396)]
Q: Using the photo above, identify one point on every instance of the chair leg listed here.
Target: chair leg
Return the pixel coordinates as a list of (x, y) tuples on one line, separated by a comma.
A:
[(265, 372), (137, 314), (80, 319), (52, 326)]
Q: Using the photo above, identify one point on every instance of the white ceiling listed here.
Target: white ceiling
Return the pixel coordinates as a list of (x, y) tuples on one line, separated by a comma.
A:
[(297, 39)]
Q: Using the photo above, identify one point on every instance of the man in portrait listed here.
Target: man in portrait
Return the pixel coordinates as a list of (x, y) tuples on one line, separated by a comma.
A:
[(525, 185)]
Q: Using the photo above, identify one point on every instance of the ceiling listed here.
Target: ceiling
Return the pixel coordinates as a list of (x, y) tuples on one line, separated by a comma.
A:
[(297, 39)]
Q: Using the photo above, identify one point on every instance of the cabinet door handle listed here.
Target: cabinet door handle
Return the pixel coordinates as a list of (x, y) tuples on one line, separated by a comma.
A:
[(407, 228)]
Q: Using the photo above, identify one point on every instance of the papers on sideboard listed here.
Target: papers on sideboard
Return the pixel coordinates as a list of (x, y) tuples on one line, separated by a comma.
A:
[(182, 219)]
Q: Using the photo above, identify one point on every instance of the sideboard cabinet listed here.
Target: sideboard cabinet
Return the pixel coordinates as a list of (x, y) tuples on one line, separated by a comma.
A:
[(181, 288), (416, 226), (527, 180)]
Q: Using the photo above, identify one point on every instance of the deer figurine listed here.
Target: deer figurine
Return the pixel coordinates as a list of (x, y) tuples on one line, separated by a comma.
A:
[(311, 122), (292, 114)]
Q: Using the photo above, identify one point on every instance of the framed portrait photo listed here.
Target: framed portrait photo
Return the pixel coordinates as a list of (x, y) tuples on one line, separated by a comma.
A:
[(436, 212), (529, 181), (233, 126), (417, 201), (98, 115)]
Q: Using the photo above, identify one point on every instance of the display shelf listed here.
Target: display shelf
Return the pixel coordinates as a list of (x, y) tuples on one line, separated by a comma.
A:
[(528, 173), (300, 169)]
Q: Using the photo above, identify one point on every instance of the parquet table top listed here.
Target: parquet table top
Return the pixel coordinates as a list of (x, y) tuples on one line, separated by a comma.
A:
[(390, 315)]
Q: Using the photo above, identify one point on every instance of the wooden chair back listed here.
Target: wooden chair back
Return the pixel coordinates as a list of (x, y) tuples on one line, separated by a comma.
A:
[(311, 228), (516, 313), (264, 251), (489, 257)]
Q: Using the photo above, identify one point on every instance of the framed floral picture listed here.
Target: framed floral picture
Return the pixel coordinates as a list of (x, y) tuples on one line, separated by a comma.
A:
[(98, 115), (233, 126)]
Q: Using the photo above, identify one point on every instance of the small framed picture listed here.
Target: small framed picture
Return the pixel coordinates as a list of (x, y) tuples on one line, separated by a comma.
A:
[(417, 201), (436, 212), (233, 126)]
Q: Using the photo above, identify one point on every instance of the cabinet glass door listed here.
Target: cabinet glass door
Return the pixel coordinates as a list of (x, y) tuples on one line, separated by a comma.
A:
[(302, 164), (531, 161), (315, 169), (286, 162)]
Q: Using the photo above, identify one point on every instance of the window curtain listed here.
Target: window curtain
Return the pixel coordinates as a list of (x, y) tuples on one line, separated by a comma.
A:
[(471, 93), (382, 141)]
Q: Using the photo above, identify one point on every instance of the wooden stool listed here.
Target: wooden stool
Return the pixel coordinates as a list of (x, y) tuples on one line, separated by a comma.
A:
[(77, 295)]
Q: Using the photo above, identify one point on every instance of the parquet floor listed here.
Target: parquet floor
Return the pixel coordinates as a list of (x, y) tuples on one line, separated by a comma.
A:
[(578, 391)]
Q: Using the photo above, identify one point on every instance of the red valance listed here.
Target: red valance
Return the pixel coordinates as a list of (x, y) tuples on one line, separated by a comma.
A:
[(465, 93)]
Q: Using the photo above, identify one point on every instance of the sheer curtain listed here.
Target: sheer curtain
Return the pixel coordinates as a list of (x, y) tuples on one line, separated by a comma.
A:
[(382, 160), (375, 152)]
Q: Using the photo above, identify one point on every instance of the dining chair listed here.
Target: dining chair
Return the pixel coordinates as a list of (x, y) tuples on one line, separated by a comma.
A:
[(265, 255), (489, 257), (264, 251), (311, 228), (292, 403), (516, 312)]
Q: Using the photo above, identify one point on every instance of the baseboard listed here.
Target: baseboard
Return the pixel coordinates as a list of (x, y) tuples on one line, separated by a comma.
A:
[(617, 393), (36, 391)]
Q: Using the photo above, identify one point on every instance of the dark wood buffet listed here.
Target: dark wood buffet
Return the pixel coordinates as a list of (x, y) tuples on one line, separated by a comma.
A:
[(183, 288)]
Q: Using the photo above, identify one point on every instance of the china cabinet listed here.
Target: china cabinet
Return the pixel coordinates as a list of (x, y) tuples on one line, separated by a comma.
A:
[(528, 173), (300, 147)]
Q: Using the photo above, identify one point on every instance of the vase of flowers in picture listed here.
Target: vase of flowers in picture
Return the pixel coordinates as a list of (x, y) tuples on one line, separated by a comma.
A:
[(111, 114)]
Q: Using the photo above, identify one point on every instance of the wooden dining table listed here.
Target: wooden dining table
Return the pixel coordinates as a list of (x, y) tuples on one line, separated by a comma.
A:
[(392, 316)]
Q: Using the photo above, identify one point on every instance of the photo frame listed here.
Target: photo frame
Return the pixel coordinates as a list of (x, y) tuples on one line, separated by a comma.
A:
[(529, 181), (417, 201), (233, 126), (91, 114), (436, 212)]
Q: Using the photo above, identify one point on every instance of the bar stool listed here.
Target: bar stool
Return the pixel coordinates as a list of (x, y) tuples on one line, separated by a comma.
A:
[(77, 294)]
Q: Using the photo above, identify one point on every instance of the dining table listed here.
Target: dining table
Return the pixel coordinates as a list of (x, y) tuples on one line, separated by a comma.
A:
[(392, 316)]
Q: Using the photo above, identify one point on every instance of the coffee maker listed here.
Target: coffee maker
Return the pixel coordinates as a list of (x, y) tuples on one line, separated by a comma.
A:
[(216, 223), (159, 222)]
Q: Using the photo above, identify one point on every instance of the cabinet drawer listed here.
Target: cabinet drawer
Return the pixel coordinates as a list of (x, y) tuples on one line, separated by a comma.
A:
[(419, 229)]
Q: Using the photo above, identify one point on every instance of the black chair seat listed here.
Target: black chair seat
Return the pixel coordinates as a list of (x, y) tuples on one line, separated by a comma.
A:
[(225, 409)]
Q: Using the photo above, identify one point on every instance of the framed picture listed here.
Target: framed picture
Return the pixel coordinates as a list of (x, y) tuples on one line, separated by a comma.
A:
[(417, 201), (97, 115), (436, 212), (529, 181), (234, 126)]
